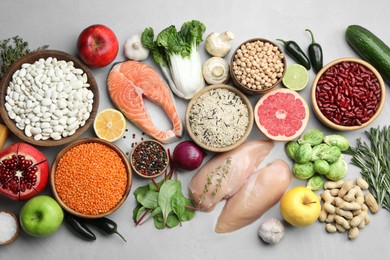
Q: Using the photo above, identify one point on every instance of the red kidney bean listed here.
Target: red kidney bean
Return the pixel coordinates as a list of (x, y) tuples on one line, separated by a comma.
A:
[(348, 94)]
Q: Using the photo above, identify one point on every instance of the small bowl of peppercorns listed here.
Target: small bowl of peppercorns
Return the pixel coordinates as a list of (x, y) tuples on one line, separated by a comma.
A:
[(348, 94), (257, 66), (149, 159)]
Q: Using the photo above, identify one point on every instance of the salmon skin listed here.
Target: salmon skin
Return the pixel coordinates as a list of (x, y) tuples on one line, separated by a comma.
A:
[(129, 83)]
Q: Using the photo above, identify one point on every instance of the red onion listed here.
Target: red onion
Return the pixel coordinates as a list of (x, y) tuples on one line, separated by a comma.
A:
[(187, 155)]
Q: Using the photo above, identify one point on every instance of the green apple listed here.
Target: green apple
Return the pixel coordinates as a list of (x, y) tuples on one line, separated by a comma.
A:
[(41, 216)]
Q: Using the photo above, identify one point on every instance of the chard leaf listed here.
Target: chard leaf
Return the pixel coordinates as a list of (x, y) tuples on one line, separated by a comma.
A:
[(159, 221), (153, 187), (148, 199), (178, 204), (167, 190), (188, 213), (172, 221), (135, 212), (141, 190)]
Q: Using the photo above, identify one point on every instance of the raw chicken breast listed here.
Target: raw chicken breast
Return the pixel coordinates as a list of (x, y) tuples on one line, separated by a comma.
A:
[(262, 191), (222, 176)]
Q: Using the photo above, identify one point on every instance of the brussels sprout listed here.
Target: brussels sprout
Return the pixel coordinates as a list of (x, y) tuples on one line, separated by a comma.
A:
[(321, 167), (291, 148), (326, 152), (303, 171), (315, 183), (337, 170), (337, 140), (303, 154), (312, 137)]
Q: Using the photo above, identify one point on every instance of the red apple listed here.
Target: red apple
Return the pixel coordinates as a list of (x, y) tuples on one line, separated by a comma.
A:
[(97, 46)]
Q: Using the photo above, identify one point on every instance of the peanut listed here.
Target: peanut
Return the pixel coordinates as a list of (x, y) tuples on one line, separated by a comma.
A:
[(340, 228), (334, 192), (333, 185), (323, 215), (343, 213), (353, 233), (342, 221), (326, 197), (362, 183), (362, 225), (351, 194), (350, 206), (357, 220), (329, 208), (330, 218), (330, 228), (360, 200), (345, 188), (371, 203), (367, 219), (338, 201)]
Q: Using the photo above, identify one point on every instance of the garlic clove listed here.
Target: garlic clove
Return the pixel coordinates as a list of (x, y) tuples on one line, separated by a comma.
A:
[(271, 231)]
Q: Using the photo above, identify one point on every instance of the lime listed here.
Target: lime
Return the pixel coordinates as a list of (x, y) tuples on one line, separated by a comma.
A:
[(296, 77)]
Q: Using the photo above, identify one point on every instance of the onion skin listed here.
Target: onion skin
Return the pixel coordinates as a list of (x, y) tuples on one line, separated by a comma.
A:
[(187, 156)]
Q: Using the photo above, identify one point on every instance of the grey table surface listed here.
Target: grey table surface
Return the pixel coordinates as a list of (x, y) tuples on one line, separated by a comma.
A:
[(58, 23)]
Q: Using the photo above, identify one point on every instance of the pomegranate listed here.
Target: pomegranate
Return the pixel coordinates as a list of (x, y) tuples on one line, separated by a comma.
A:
[(23, 171)]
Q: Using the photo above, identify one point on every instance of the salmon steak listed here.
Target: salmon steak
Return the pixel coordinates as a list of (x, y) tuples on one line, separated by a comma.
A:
[(129, 83)]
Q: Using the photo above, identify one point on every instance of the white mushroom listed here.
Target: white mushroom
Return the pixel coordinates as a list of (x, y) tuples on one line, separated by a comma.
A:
[(134, 50), (216, 71), (219, 44)]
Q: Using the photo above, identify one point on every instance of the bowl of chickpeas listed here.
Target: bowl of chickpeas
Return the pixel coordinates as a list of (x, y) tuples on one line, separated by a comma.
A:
[(257, 66)]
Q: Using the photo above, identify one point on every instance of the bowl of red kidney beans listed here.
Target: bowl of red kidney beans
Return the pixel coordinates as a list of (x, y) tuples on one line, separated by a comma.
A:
[(348, 94)]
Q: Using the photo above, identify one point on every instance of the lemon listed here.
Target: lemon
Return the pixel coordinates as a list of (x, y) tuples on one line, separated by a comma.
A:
[(110, 125), (300, 206), (296, 77)]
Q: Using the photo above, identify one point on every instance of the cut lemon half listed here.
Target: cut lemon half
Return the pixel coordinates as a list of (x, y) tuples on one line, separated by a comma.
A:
[(296, 77), (110, 125)]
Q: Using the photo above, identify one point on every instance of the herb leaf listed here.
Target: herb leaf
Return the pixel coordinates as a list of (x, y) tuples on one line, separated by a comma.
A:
[(148, 199), (9, 53), (178, 204), (373, 159), (172, 221)]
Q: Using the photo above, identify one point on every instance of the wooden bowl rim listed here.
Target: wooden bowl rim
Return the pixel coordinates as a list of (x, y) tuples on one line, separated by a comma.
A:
[(325, 120), (140, 174), (17, 227), (85, 141), (244, 99), (252, 91), (31, 58)]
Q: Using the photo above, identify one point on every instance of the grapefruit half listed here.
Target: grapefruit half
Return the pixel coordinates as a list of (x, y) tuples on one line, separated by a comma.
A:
[(282, 114)]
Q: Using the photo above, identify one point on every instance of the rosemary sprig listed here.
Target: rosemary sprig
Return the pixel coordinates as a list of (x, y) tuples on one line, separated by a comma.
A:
[(373, 159), (10, 52)]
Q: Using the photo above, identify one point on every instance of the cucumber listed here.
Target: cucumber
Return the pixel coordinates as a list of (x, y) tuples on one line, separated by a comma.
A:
[(370, 48)]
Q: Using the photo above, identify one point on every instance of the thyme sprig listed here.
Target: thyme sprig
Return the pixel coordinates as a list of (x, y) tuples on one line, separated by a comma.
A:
[(373, 159), (10, 52)]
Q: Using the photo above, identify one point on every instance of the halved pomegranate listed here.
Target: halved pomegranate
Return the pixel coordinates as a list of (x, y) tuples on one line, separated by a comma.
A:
[(23, 171)]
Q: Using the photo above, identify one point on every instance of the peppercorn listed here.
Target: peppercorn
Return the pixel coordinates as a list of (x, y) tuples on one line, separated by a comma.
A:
[(149, 158)]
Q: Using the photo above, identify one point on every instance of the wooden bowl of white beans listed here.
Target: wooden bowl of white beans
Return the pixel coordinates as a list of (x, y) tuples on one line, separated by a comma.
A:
[(257, 66), (48, 98)]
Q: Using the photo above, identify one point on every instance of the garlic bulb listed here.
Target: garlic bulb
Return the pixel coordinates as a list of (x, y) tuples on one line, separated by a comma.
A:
[(216, 71), (219, 44), (134, 50), (271, 231)]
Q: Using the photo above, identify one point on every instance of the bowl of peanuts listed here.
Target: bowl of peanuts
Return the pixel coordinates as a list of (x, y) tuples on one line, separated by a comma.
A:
[(48, 98), (257, 66), (90, 178), (348, 94)]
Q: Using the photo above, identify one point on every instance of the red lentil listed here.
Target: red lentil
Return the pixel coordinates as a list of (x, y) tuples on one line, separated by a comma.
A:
[(91, 178), (348, 94)]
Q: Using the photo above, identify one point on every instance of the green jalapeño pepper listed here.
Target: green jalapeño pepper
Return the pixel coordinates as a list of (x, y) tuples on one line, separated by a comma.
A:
[(293, 49), (315, 53)]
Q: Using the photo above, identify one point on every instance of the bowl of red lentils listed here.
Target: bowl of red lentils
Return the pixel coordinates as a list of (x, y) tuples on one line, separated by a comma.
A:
[(348, 94), (91, 178), (149, 159), (257, 66)]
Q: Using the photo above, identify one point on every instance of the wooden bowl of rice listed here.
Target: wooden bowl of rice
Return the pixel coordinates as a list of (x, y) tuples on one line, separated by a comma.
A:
[(219, 118)]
